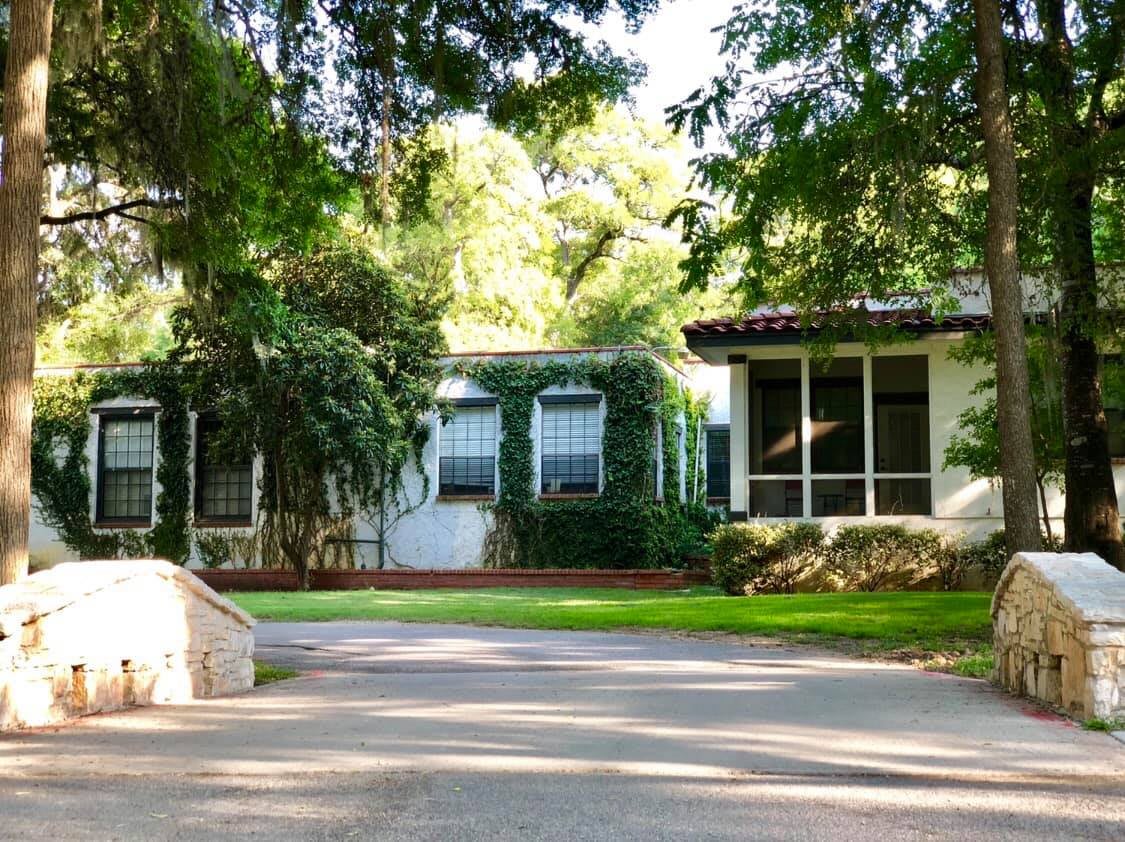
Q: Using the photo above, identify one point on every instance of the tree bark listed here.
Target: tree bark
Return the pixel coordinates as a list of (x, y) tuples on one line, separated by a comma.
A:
[(1091, 518), (1013, 389), (21, 198)]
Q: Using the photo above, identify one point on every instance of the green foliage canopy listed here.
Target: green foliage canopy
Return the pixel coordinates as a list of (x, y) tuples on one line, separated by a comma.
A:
[(855, 162)]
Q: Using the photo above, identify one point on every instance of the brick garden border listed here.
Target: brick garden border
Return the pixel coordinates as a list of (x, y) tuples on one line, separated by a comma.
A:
[(344, 580)]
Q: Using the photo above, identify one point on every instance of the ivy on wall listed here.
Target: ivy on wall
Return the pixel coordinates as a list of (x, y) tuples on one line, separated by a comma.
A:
[(60, 469), (625, 526)]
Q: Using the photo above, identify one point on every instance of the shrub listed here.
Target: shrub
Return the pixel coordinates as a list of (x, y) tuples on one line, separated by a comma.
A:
[(798, 549), (953, 563), (866, 558), (990, 556), (752, 558), (739, 556), (216, 547)]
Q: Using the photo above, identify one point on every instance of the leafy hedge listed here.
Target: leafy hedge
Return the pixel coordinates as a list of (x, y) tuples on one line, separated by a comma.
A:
[(756, 558), (759, 558)]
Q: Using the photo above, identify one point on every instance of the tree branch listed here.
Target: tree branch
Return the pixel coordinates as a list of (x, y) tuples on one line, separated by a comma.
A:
[(600, 250), (114, 210)]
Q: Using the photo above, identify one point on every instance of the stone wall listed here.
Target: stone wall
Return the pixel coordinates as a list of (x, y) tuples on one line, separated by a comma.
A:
[(1058, 623), (93, 636)]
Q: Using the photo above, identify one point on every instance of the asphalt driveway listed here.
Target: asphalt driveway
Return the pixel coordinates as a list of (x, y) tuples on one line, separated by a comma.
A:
[(451, 732)]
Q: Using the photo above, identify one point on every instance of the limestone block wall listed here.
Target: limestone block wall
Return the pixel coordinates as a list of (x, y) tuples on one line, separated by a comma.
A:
[(1058, 624), (91, 636)]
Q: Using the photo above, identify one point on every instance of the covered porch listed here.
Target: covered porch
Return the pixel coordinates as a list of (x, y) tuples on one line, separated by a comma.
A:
[(861, 434)]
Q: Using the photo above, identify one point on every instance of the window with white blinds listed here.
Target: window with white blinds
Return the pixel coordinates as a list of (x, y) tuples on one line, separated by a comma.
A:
[(467, 458), (572, 442)]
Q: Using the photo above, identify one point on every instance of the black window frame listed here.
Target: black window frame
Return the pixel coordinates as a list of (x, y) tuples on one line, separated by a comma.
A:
[(592, 481), (713, 474), (199, 474), (123, 414), (471, 491)]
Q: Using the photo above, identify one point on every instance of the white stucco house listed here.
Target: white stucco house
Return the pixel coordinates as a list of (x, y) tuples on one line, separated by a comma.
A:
[(440, 518), (785, 438), (864, 437)]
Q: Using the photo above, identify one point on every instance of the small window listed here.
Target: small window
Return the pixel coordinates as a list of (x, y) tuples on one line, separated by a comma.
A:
[(222, 490), (125, 469), (467, 460), (718, 463), (571, 445)]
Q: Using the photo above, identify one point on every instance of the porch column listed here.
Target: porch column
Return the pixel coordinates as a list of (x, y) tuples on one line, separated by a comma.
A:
[(806, 436), (868, 438), (739, 437)]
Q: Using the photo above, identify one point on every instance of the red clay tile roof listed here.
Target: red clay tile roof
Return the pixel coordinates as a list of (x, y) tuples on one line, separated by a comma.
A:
[(764, 324)]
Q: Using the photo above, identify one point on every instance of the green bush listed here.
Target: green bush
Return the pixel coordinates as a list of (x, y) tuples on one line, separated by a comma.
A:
[(799, 548), (868, 557), (216, 547), (754, 558), (739, 556), (990, 556)]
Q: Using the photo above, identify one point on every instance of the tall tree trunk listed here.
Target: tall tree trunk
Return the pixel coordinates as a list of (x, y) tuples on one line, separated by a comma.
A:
[(1013, 389), (21, 197), (1091, 518)]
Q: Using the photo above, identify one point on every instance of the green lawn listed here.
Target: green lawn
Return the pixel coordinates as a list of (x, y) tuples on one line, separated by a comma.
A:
[(927, 621)]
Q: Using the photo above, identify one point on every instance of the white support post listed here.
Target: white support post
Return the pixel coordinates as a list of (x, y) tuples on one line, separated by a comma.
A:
[(739, 437), (868, 437), (806, 438)]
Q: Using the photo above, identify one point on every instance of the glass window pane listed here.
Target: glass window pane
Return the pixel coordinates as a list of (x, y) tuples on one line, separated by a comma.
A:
[(836, 396), (467, 452), (571, 447), (718, 463), (900, 389), (775, 498), (125, 480), (839, 497), (902, 497), (223, 491), (775, 417)]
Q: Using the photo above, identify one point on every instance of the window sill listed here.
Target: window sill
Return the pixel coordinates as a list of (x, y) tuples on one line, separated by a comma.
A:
[(205, 523), (123, 524), (580, 496), (465, 498)]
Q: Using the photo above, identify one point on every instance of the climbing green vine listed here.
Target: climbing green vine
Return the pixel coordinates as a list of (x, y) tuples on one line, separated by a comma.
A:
[(60, 470), (625, 526)]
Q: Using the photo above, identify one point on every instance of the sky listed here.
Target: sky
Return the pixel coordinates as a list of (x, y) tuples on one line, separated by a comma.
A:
[(677, 44)]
